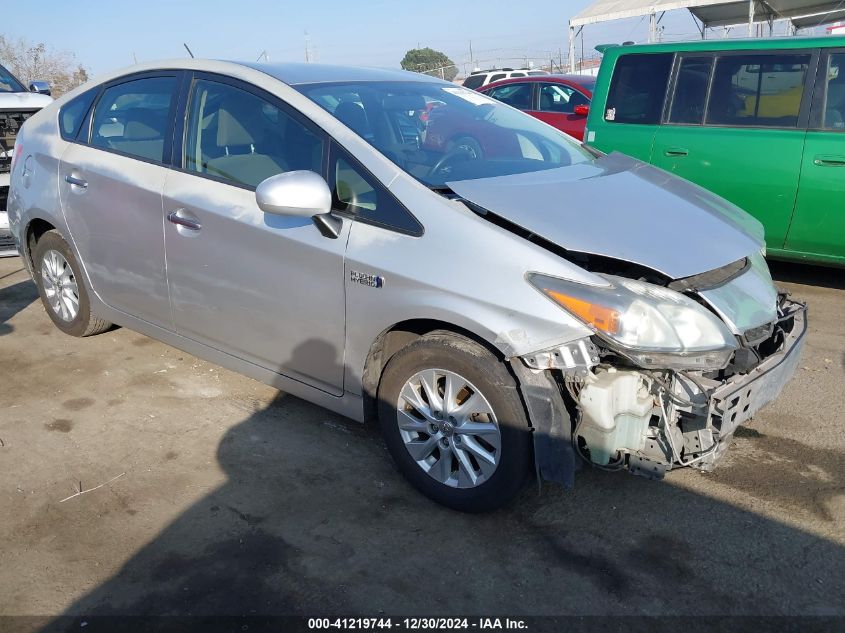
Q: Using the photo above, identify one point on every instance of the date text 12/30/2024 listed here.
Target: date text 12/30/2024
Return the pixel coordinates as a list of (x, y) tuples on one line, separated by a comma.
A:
[(417, 624)]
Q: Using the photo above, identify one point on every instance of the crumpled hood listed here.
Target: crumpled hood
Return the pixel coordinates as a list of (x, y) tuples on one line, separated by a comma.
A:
[(622, 208)]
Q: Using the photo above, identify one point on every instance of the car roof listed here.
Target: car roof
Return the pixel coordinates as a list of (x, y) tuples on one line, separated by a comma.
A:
[(753, 44), (300, 73), (584, 82)]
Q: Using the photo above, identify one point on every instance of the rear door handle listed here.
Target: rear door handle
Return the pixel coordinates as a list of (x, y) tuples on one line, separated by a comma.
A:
[(829, 160), (178, 217), (675, 151), (76, 182)]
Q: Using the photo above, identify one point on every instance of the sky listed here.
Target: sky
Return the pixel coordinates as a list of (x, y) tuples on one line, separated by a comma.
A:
[(105, 35)]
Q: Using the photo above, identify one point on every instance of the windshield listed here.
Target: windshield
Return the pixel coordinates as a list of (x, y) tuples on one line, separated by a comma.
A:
[(440, 133), (8, 83)]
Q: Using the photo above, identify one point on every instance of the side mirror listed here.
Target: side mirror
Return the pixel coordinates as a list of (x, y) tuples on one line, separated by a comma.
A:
[(41, 87), (301, 194), (582, 110)]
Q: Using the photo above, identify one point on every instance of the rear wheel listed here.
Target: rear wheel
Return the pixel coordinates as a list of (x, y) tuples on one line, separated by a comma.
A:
[(59, 281), (453, 421)]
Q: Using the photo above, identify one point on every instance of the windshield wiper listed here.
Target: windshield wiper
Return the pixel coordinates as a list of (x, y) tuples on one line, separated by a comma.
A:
[(443, 190)]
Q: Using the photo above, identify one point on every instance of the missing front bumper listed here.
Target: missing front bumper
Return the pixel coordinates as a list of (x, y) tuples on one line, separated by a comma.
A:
[(675, 420)]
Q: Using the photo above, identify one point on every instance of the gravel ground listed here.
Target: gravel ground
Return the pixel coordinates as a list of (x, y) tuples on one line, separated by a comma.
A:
[(224, 496)]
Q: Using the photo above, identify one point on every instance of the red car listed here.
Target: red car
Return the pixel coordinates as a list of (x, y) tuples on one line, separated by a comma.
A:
[(562, 101)]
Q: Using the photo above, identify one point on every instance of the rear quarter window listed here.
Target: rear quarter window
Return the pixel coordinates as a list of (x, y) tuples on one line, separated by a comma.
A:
[(73, 114), (638, 88), (473, 81)]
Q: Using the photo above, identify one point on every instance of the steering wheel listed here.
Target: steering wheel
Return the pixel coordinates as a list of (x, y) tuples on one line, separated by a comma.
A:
[(464, 148)]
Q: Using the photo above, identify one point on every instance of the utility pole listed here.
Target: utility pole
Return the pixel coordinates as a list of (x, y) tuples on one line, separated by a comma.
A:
[(471, 58), (307, 51), (751, 4)]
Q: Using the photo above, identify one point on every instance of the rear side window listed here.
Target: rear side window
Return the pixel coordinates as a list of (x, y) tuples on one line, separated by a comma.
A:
[(691, 90), (133, 117), (638, 89), (517, 74), (758, 90), (73, 114), (515, 95), (834, 107), (473, 81), (497, 77)]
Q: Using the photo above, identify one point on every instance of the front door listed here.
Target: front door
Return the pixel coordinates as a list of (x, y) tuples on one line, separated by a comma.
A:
[(818, 227), (744, 144), (110, 185), (265, 288), (556, 106)]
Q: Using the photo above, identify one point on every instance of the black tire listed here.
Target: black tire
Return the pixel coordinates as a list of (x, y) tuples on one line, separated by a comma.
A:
[(85, 323), (455, 353)]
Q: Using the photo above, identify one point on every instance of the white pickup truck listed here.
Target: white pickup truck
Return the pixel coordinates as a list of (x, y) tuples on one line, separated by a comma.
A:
[(17, 104)]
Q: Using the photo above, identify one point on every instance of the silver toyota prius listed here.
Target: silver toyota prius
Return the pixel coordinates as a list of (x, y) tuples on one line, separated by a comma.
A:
[(390, 246)]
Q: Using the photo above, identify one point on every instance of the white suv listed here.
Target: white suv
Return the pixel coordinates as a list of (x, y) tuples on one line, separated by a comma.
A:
[(17, 104), (479, 78)]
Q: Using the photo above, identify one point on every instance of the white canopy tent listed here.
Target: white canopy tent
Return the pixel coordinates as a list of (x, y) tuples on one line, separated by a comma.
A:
[(711, 13)]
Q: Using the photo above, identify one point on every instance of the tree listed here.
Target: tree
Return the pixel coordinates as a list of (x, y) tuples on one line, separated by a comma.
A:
[(429, 62), (31, 62)]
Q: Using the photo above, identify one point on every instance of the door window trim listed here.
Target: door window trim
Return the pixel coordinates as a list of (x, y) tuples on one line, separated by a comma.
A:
[(806, 97), (180, 130), (817, 109), (88, 123)]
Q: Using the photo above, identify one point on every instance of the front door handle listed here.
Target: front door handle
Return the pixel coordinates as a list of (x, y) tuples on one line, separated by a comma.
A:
[(76, 182), (177, 217), (675, 151), (829, 160)]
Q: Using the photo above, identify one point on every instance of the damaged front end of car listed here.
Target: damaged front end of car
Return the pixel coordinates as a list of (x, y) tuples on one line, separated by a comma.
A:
[(669, 374)]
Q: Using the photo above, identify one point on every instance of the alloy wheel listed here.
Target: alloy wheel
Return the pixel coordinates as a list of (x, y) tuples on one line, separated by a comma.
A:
[(60, 287), (449, 428)]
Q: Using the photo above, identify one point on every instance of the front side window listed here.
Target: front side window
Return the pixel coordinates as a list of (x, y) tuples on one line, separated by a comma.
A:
[(8, 83), (515, 95), (560, 98), (237, 136), (690, 95), (758, 90), (439, 133), (357, 193), (834, 107), (133, 117), (638, 89)]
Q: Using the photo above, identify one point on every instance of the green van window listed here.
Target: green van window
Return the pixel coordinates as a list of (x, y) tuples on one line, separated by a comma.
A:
[(638, 89), (691, 90), (758, 90), (834, 108)]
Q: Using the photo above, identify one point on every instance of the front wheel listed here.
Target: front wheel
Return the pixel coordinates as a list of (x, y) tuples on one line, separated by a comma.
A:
[(63, 293), (453, 421)]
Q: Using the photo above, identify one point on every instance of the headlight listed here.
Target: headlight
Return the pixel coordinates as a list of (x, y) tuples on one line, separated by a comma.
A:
[(651, 325)]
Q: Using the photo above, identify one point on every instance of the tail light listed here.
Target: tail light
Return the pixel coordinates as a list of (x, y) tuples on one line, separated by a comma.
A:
[(15, 154)]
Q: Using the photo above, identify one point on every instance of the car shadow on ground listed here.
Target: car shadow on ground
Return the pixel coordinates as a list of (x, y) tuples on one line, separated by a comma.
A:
[(13, 299), (314, 519), (808, 274)]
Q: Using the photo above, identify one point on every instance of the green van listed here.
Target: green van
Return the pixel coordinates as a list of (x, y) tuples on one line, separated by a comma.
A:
[(758, 122)]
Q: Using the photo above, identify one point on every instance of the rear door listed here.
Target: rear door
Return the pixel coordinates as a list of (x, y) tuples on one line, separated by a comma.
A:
[(556, 105), (818, 227), (735, 124), (110, 185)]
